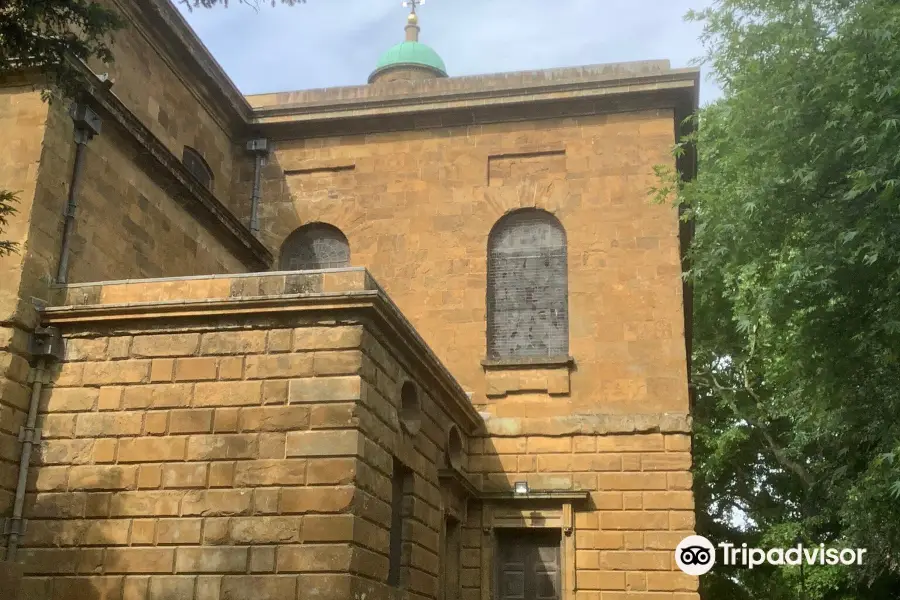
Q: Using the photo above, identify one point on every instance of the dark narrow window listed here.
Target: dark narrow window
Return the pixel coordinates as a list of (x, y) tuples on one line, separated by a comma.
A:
[(451, 562), (197, 167), (315, 246), (401, 487), (527, 287)]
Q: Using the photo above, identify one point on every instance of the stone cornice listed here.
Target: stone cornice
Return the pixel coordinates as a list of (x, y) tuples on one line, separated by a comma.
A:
[(454, 478), (546, 496), (436, 103), (197, 199), (446, 100), (676, 90)]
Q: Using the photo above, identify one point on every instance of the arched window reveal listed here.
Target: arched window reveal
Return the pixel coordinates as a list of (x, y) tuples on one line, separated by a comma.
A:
[(197, 166), (527, 290), (315, 246)]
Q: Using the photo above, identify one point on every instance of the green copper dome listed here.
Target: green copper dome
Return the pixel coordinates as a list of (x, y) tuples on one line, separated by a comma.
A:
[(411, 54)]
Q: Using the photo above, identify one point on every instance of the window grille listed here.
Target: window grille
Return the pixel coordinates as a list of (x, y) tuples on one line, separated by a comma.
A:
[(527, 303), (315, 246)]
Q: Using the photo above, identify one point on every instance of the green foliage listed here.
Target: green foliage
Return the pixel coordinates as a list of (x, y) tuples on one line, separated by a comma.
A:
[(49, 37), (192, 4), (45, 35), (795, 266), (7, 199)]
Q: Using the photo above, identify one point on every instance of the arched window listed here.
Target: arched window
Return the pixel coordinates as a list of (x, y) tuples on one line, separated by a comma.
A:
[(527, 288), (197, 167), (315, 246)]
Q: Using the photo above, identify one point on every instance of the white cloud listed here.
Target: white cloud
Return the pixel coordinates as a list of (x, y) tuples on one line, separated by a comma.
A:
[(328, 43)]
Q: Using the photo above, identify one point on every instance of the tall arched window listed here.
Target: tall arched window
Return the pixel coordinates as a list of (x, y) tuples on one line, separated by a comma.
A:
[(198, 167), (315, 246), (527, 288)]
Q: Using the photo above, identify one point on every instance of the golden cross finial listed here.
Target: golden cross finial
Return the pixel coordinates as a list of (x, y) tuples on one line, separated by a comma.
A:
[(412, 21), (412, 4)]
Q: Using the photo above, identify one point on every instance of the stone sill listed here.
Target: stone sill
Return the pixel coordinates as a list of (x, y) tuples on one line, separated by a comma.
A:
[(528, 363)]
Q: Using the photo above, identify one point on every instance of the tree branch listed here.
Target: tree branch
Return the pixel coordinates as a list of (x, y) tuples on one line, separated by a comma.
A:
[(778, 452)]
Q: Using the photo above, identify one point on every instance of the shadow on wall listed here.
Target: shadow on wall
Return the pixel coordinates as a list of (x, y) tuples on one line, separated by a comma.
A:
[(174, 463), (71, 487), (294, 196)]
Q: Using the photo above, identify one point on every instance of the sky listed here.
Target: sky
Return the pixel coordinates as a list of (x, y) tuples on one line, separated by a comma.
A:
[(326, 43)]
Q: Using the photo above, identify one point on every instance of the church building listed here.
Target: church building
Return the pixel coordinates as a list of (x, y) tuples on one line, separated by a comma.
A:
[(421, 338)]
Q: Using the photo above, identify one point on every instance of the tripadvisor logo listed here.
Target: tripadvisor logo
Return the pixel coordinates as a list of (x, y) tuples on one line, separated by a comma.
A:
[(696, 555)]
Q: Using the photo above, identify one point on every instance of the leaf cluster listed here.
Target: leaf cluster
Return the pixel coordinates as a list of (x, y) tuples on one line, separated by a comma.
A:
[(795, 266), (192, 4), (7, 209), (45, 36)]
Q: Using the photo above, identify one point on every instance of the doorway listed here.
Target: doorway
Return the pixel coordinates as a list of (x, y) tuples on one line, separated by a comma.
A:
[(528, 565)]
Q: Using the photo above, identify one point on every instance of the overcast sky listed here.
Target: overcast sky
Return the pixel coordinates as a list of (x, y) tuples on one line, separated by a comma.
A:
[(326, 43)]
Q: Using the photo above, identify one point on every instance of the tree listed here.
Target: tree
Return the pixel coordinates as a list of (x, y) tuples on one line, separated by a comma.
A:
[(795, 266), (45, 37), (51, 37)]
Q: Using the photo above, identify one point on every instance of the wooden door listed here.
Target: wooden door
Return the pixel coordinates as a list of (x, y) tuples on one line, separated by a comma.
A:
[(528, 565)]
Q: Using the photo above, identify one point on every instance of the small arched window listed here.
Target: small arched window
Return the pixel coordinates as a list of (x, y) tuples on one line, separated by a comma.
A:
[(197, 167), (315, 246), (527, 288)]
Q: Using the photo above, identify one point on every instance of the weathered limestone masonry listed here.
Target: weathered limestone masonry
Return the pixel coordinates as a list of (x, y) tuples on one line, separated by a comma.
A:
[(233, 438), (174, 88), (140, 214), (417, 207), (417, 176), (22, 119), (639, 505)]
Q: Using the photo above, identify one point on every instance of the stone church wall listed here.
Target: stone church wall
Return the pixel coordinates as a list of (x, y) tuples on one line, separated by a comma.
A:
[(23, 120), (159, 87), (612, 424), (127, 225), (417, 208), (247, 455), (640, 504)]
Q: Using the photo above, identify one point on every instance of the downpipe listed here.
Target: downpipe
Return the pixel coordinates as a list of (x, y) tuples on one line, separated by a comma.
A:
[(46, 345), (87, 125), (260, 150), (30, 435), (72, 206)]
